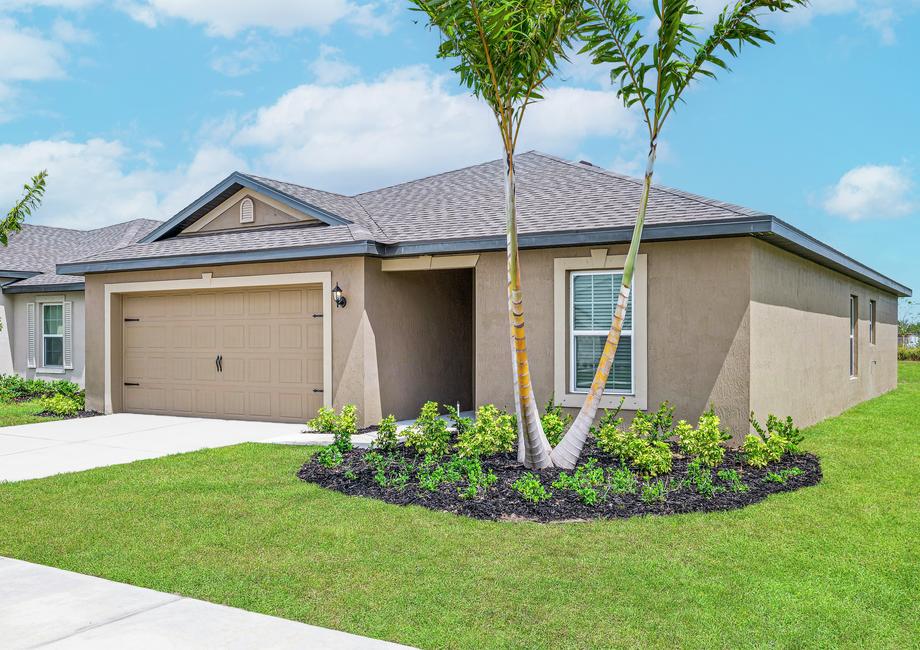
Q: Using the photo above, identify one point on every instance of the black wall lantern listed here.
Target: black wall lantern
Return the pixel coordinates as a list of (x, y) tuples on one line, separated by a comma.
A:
[(338, 297)]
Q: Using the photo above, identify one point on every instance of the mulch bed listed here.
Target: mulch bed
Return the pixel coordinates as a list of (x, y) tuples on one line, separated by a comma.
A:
[(78, 414), (502, 502)]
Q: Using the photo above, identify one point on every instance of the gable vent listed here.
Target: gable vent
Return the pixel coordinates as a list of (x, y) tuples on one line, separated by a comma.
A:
[(246, 211)]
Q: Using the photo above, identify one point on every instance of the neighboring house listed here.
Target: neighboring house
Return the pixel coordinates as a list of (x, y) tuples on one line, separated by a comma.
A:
[(227, 309), (41, 312), (909, 340)]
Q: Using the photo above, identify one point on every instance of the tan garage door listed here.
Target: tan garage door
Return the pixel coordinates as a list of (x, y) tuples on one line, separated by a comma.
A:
[(253, 354)]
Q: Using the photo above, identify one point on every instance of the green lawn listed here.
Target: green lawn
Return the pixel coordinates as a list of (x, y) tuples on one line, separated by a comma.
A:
[(828, 566), (13, 413)]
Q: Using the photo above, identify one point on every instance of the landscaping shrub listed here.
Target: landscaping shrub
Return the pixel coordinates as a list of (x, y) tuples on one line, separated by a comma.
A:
[(61, 405), (555, 422), (467, 473), (908, 354), (531, 488), (733, 479), (650, 456), (622, 481), (330, 456), (14, 387), (584, 482), (699, 478), (770, 444), (461, 423), (429, 435), (783, 475), (386, 435), (706, 442), (342, 426), (654, 492), (492, 432)]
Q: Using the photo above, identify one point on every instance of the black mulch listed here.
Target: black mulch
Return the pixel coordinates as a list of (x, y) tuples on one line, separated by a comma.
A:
[(78, 414), (502, 502)]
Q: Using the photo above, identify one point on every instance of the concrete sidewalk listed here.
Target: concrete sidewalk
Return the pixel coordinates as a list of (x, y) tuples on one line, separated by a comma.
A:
[(43, 607)]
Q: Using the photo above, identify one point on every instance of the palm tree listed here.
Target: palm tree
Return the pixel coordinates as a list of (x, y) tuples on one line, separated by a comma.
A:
[(654, 77), (506, 50), (32, 194)]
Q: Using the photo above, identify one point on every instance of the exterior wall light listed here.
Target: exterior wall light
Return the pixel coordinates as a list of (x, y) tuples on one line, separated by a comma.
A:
[(337, 296)]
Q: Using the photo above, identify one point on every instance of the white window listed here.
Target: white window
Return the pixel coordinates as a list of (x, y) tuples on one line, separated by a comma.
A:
[(854, 336), (52, 343), (247, 214), (593, 297), (873, 324)]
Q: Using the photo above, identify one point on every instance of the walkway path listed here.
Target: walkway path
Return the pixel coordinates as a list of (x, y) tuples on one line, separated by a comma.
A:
[(43, 607)]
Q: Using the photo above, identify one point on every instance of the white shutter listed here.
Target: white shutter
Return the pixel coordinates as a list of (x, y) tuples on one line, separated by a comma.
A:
[(246, 211), (68, 335), (30, 320)]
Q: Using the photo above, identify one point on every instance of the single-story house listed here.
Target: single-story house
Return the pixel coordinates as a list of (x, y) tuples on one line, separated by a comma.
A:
[(41, 312), (230, 309)]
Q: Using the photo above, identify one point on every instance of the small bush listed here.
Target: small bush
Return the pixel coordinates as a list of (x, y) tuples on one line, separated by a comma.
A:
[(555, 422), (699, 478), (386, 439), (783, 475), (653, 459), (650, 457), (429, 435), (584, 482), (61, 405), (493, 432), (622, 481), (770, 444), (325, 420), (461, 424), (908, 354), (706, 442), (733, 479), (15, 387), (655, 492), (531, 488), (330, 457)]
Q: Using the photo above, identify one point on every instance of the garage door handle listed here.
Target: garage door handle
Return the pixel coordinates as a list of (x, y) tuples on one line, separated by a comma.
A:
[(128, 383), (219, 362), (317, 390)]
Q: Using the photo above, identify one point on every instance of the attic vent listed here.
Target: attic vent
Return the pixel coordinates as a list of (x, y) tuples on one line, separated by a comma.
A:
[(246, 211)]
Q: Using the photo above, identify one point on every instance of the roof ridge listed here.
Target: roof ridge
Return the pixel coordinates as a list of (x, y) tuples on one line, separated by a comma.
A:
[(731, 207), (429, 177)]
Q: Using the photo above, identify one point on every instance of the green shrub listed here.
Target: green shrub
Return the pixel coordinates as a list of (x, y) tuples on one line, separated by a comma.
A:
[(530, 487), (908, 354), (733, 479), (584, 482), (770, 444), (699, 478), (330, 456), (64, 387), (706, 442), (555, 422), (342, 426), (609, 419), (390, 470), (783, 475), (325, 420), (429, 435), (492, 432), (15, 387), (622, 481), (461, 424), (386, 439), (61, 405), (655, 492), (650, 457)]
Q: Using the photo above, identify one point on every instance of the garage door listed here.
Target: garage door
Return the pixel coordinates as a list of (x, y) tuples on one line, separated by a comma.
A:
[(253, 354)]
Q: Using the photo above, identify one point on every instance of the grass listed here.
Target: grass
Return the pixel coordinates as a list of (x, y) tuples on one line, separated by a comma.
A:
[(829, 566), (13, 413)]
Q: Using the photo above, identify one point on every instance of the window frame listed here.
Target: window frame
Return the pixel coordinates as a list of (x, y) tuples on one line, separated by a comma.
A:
[(873, 322), (573, 334), (44, 335), (854, 336)]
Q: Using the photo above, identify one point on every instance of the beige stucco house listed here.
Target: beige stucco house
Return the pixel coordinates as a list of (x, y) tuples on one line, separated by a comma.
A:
[(41, 312), (228, 309)]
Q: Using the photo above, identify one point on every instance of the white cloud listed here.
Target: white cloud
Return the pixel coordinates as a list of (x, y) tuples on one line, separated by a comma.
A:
[(406, 124), (66, 32), (93, 183), (245, 57), (229, 17), (871, 192), (330, 68), (27, 55)]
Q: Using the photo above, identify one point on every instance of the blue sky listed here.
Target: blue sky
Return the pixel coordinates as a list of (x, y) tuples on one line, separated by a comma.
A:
[(137, 106)]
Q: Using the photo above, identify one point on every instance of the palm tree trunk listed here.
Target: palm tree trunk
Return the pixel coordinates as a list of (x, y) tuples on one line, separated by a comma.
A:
[(531, 439), (566, 453)]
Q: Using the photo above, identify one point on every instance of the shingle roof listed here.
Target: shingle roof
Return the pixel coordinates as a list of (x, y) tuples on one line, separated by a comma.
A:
[(559, 203), (38, 249)]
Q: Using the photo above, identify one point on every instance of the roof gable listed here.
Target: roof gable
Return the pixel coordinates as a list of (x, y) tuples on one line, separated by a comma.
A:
[(235, 182)]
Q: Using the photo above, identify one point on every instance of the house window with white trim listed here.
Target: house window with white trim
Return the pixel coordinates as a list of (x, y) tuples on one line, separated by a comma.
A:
[(593, 297), (873, 321), (52, 324), (854, 336)]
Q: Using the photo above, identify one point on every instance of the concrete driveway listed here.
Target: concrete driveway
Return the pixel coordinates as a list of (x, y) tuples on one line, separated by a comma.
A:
[(46, 448)]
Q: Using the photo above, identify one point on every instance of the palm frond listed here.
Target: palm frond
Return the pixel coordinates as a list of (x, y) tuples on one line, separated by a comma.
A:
[(32, 194)]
